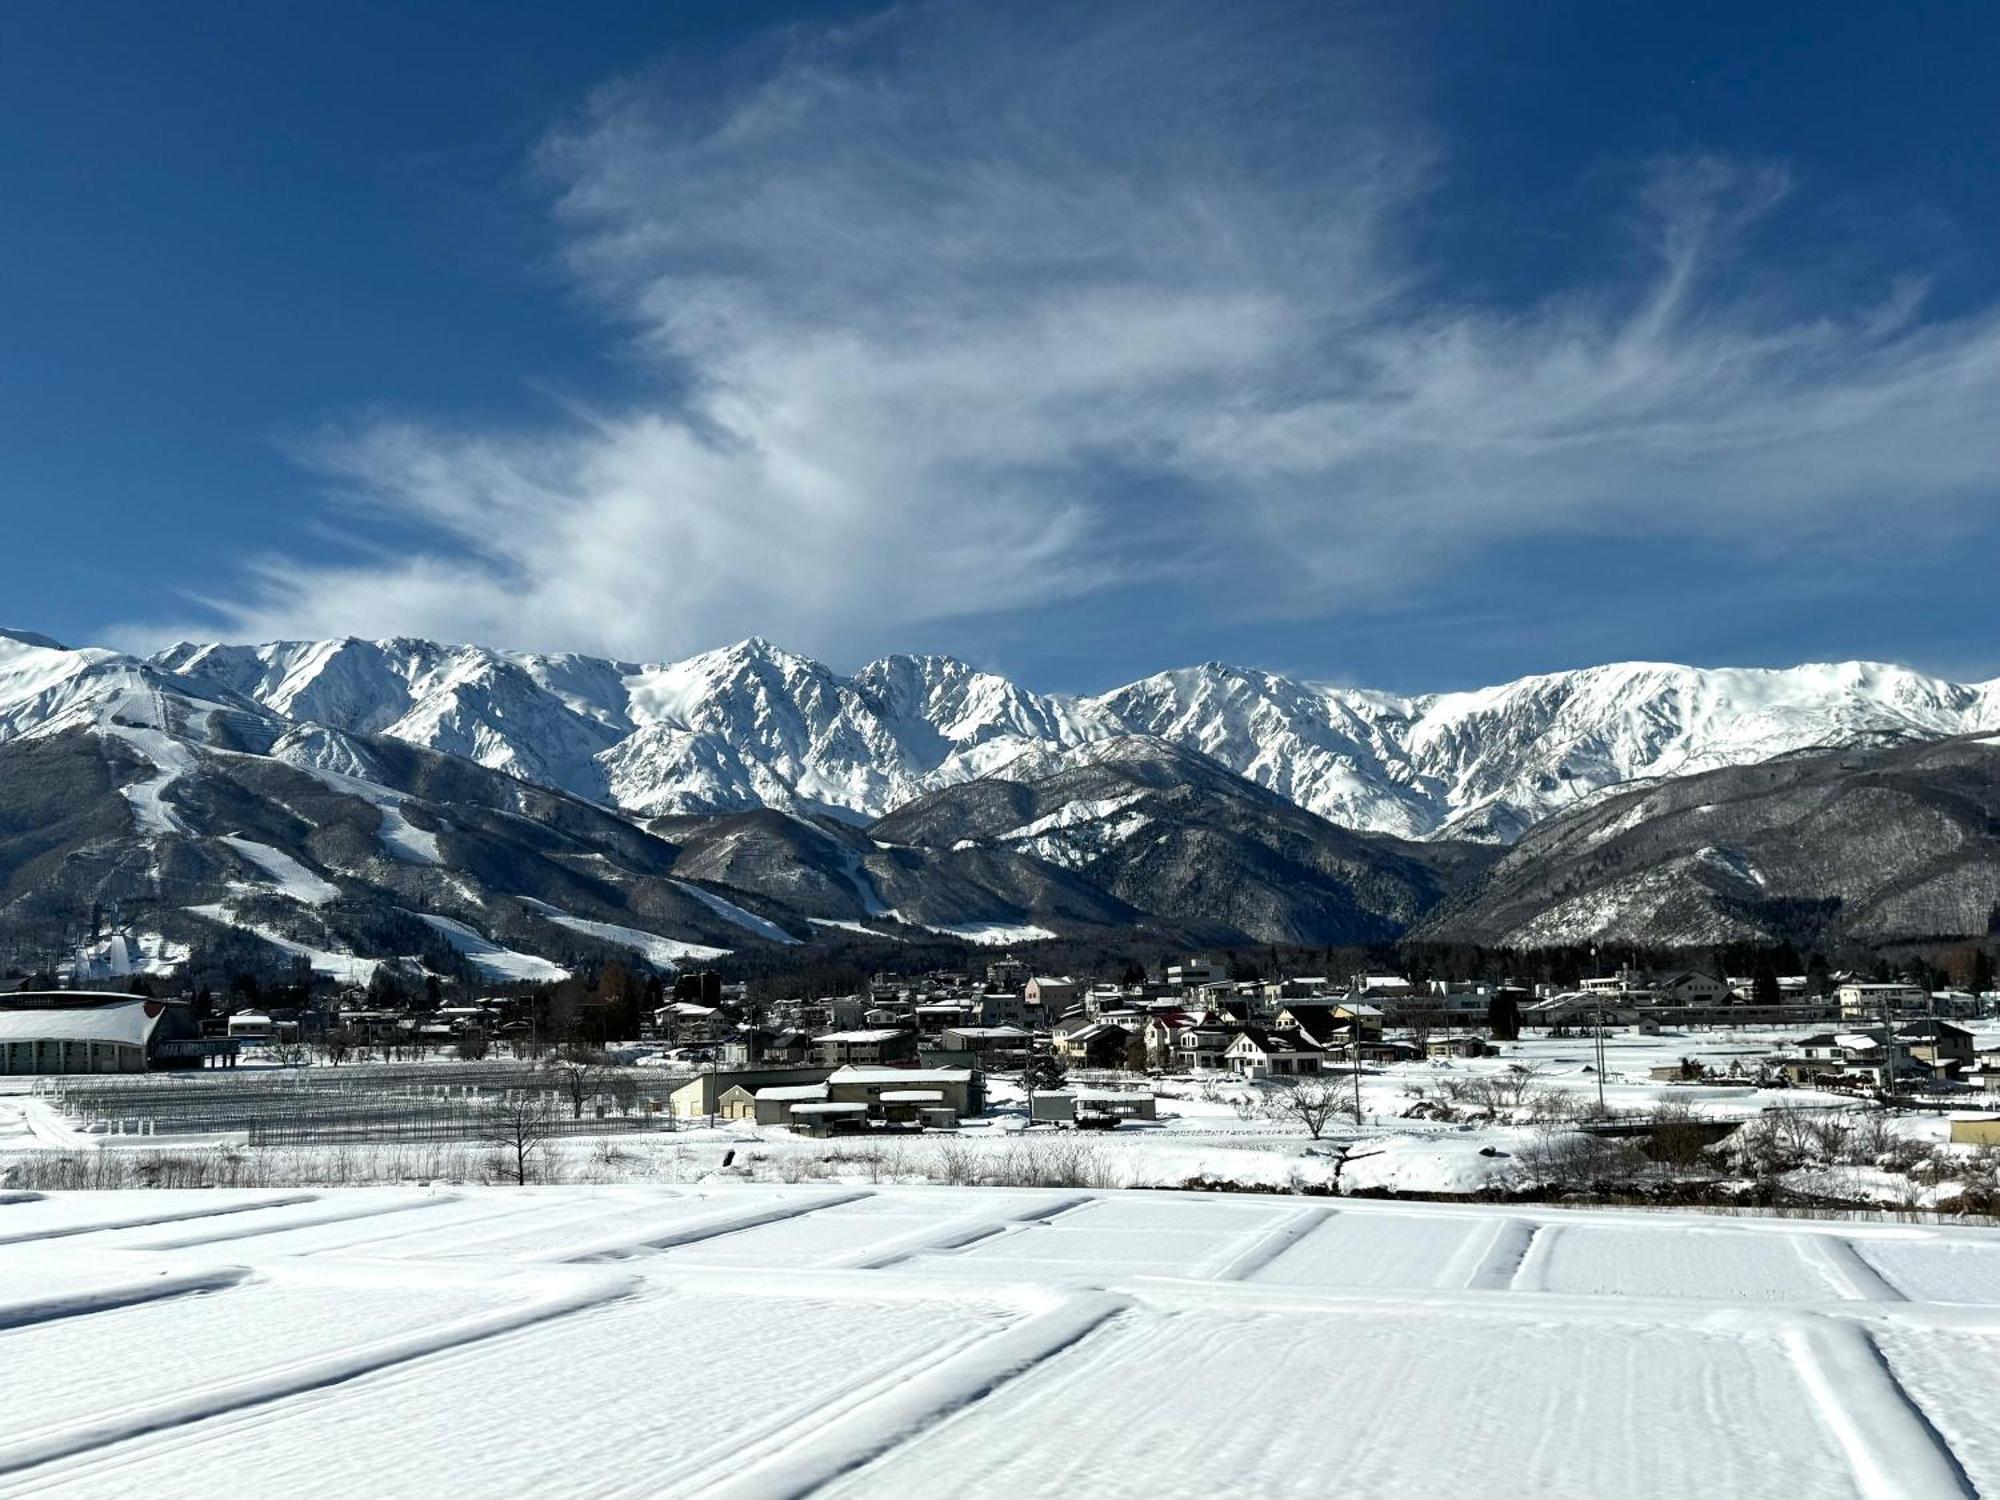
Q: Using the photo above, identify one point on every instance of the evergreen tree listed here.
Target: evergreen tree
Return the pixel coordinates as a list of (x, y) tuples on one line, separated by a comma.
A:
[(1045, 1072), (1764, 984)]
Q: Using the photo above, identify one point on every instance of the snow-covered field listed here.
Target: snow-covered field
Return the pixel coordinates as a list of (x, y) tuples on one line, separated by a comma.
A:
[(849, 1340)]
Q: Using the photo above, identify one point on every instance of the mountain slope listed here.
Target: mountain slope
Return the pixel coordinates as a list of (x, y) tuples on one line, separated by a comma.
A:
[(186, 812), (1171, 832), (754, 726), (1865, 845), (839, 876)]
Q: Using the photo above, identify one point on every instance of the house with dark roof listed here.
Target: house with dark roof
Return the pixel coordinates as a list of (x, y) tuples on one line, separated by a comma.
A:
[(1274, 1052)]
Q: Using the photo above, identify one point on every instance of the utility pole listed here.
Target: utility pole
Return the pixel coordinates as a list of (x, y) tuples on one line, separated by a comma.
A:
[(1600, 1056), (1028, 1073), (1354, 1046)]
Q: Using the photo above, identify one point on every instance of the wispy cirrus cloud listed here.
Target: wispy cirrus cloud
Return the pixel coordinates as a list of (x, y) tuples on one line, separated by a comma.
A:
[(953, 312)]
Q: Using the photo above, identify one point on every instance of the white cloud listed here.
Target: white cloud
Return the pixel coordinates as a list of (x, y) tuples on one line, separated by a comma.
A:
[(954, 313)]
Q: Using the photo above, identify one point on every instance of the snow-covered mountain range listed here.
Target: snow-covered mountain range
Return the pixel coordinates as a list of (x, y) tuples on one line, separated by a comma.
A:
[(351, 802), (752, 725)]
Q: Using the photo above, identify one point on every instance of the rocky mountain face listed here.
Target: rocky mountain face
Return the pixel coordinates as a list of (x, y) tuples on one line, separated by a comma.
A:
[(754, 726), (186, 811), (188, 815), (1169, 831), (348, 802), (1868, 845)]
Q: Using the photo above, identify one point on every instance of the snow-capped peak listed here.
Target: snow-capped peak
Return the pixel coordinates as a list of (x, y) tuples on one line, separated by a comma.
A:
[(752, 724)]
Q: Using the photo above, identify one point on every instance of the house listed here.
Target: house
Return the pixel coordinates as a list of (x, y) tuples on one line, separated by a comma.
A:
[(1189, 973), (1363, 1017), (1690, 987), (252, 1026), (1160, 1035), (1204, 1046), (1001, 1008), (879, 1044), (1870, 1002), (1052, 994), (1841, 1057), (1280, 1052), (1095, 1044), (986, 1041), (760, 1046), (1942, 1046), (1380, 987), (1222, 1001), (834, 1013), (1316, 1019)]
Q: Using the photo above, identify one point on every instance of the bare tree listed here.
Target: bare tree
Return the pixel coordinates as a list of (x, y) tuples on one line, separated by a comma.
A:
[(1313, 1105), (472, 1044), (337, 1045), (289, 1052), (521, 1125), (580, 1073)]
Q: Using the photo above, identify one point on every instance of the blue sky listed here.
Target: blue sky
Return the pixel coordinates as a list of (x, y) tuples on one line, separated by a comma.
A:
[(1420, 345)]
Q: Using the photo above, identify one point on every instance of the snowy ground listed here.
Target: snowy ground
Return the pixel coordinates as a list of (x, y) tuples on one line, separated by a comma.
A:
[(770, 1340), (1212, 1130)]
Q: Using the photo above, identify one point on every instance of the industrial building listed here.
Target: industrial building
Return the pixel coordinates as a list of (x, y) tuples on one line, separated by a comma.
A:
[(80, 1031)]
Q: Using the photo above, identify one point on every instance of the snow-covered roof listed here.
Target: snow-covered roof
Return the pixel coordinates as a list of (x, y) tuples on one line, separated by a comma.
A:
[(829, 1109), (882, 1034), (989, 1033), (913, 1096), (794, 1091), (130, 1023), (852, 1074)]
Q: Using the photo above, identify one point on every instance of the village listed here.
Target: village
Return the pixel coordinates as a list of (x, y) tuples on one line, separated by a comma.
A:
[(1460, 1088)]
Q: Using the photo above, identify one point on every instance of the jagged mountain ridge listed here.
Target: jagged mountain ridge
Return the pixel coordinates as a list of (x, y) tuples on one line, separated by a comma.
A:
[(1862, 845), (1164, 827), (199, 816), (754, 726)]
